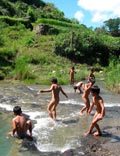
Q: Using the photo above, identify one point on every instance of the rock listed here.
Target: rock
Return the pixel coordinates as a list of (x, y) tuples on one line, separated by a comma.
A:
[(45, 29)]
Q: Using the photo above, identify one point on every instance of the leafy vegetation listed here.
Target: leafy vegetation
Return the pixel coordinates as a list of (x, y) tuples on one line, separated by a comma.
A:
[(113, 76), (34, 57), (113, 26)]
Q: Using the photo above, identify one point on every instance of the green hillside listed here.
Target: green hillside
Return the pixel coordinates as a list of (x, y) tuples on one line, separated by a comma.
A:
[(37, 42)]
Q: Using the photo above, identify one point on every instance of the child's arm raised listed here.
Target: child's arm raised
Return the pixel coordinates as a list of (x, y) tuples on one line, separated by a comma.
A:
[(47, 90)]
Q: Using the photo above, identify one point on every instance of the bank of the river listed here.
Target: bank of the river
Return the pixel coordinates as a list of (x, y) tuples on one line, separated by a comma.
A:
[(115, 88)]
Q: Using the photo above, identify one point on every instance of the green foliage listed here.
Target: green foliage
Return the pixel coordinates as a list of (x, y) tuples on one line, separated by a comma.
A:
[(82, 47), (1, 36), (7, 63), (37, 3), (22, 69), (7, 56), (2, 75), (112, 76), (113, 26), (58, 23), (29, 41), (6, 8), (16, 21), (29, 9), (51, 12), (30, 14), (35, 58)]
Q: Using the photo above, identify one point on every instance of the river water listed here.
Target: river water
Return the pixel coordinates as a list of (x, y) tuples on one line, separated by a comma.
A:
[(50, 135)]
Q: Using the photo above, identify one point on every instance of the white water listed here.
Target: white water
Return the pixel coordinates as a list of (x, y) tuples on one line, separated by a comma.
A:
[(54, 135)]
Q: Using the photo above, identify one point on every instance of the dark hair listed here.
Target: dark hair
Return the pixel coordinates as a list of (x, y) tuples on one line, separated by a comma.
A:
[(92, 80), (92, 69), (54, 80), (17, 110), (95, 89), (75, 87)]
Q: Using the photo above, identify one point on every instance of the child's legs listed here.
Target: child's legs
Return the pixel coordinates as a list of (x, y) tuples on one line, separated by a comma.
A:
[(95, 120), (98, 132), (92, 124), (83, 108), (72, 79), (54, 111), (87, 104), (49, 108)]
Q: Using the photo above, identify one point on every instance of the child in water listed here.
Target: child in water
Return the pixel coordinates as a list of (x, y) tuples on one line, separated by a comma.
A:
[(97, 101), (20, 125), (91, 75), (71, 74), (55, 89), (78, 86), (85, 96)]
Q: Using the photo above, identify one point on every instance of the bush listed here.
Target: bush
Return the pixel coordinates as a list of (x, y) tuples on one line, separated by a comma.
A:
[(22, 69), (2, 75)]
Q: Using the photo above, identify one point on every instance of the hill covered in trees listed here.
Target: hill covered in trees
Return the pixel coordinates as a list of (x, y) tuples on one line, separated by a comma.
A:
[(36, 39)]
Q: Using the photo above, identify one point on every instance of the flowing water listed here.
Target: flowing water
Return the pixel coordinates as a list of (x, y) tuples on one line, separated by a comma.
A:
[(50, 135)]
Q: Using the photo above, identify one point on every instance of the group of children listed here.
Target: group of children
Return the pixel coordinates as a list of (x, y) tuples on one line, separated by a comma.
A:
[(21, 126), (97, 100)]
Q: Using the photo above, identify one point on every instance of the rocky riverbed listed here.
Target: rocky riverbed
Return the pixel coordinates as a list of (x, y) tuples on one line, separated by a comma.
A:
[(64, 138), (106, 145)]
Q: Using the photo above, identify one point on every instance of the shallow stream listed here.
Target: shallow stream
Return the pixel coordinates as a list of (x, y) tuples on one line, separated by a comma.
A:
[(50, 135)]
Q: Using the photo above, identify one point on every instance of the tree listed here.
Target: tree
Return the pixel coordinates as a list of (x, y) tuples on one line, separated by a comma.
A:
[(113, 26), (101, 30)]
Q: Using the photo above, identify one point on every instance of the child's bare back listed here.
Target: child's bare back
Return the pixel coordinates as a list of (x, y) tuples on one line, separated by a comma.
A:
[(55, 92)]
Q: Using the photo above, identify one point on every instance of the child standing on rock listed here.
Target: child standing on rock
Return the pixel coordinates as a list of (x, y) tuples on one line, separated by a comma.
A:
[(85, 96), (55, 89), (97, 101)]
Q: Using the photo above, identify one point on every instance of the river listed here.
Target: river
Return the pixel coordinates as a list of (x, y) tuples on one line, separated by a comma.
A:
[(50, 135)]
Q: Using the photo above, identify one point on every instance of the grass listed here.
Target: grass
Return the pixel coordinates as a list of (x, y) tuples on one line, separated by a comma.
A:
[(33, 60)]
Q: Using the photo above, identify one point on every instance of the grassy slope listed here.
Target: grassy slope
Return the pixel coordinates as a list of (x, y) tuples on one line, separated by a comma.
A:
[(25, 55), (35, 61), (49, 64)]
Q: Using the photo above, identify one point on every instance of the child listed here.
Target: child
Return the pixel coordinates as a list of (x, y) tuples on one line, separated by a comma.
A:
[(20, 125), (71, 73), (91, 75), (78, 86), (85, 96), (97, 101), (55, 89)]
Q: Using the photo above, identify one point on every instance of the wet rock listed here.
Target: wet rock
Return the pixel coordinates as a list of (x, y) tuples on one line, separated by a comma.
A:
[(44, 29), (28, 144), (107, 144), (72, 121)]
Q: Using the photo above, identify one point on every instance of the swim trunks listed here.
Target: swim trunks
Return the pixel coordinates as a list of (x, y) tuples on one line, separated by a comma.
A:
[(21, 136), (75, 87)]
